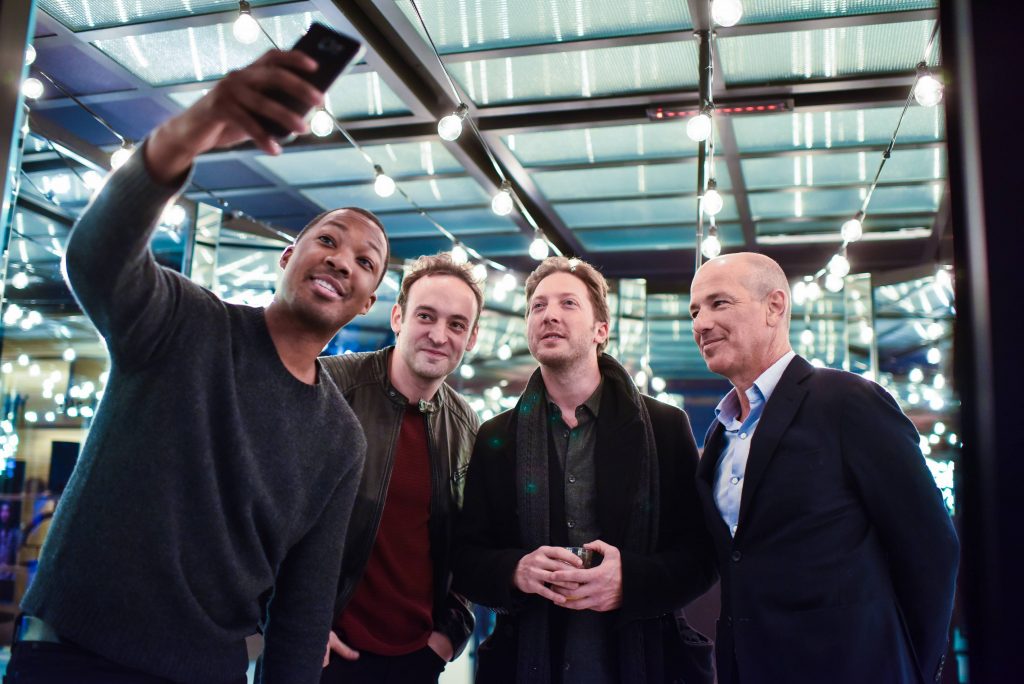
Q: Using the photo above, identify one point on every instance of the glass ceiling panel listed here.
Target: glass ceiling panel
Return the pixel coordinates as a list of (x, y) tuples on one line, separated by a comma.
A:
[(440, 192), (847, 128), (607, 143), (579, 73), (459, 222), (468, 25), (620, 213), (871, 225), (347, 165), (824, 53), (97, 14), (845, 202), (203, 53), (842, 168), (652, 238), (640, 180), (762, 11)]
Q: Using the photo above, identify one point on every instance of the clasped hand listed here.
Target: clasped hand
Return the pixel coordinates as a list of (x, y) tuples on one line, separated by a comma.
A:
[(544, 572)]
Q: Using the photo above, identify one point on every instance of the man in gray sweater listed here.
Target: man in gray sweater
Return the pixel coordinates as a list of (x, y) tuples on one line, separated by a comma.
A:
[(214, 490)]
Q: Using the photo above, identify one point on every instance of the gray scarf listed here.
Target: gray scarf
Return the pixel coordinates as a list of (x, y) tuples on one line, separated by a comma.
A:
[(532, 490)]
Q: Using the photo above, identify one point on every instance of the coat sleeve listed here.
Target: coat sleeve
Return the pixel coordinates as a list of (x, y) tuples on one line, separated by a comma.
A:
[(683, 566), (881, 451), (487, 547)]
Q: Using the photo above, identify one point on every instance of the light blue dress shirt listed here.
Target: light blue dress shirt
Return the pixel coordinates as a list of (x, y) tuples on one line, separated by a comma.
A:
[(737, 436)]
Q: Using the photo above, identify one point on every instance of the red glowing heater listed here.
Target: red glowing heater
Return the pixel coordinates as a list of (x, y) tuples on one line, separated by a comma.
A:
[(665, 113)]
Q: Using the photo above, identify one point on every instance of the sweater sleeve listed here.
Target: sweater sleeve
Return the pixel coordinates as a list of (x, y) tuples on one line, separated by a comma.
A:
[(130, 299), (301, 609)]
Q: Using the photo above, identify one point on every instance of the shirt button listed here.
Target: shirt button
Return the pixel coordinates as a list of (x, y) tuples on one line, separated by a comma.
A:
[(566, 434), (572, 524), (734, 480), (567, 667), (572, 479), (736, 556), (743, 435)]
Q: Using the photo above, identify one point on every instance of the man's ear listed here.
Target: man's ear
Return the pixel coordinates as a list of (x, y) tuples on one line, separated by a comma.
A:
[(776, 310), (285, 256), (396, 319), (369, 303), (472, 338), (601, 334)]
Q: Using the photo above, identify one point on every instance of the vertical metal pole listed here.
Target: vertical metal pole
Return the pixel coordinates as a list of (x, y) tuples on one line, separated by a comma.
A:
[(17, 22), (706, 69)]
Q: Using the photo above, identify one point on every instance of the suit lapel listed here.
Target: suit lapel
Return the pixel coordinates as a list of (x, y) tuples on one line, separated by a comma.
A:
[(706, 468), (778, 414)]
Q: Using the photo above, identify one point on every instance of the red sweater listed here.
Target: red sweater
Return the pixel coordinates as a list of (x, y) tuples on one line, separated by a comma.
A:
[(391, 610)]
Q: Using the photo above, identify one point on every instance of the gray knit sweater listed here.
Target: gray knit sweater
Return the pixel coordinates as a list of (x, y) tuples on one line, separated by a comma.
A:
[(214, 489)]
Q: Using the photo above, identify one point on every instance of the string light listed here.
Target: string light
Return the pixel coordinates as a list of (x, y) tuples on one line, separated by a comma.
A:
[(501, 203), (450, 127), (121, 155), (30, 55), (927, 88), (459, 254), (839, 265), (713, 201), (245, 29), (933, 356), (32, 88), (508, 281), (834, 282), (383, 184), (539, 248), (322, 123), (711, 246), (726, 12), (173, 216), (504, 352), (480, 272), (20, 280), (467, 371), (698, 128), (853, 229)]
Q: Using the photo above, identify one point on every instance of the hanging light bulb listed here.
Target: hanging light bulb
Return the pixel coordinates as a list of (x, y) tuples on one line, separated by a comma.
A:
[(322, 123), (726, 12), (698, 128), (812, 291), (467, 371), (504, 352), (245, 29), (480, 272), (173, 216), (32, 88), (450, 127), (30, 55), (711, 246), (501, 203), (807, 337), (839, 265), (833, 282), (459, 254), (713, 201), (508, 281), (20, 280), (853, 229), (933, 356), (120, 156), (383, 185), (92, 180), (539, 248), (927, 88), (61, 184)]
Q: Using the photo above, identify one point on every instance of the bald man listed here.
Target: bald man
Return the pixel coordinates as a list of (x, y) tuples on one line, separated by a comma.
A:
[(838, 560)]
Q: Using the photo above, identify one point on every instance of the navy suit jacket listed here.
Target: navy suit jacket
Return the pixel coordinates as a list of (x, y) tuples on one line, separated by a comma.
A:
[(844, 561)]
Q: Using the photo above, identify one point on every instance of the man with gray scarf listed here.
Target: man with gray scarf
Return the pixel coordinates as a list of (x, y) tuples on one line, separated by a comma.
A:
[(583, 460)]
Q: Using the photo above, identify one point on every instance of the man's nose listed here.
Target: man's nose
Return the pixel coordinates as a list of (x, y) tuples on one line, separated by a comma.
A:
[(437, 333), (340, 260)]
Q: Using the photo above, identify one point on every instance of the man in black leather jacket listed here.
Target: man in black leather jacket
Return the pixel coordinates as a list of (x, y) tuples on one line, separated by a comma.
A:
[(396, 617)]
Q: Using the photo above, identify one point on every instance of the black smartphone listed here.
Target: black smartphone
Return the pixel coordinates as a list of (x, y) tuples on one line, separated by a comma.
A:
[(333, 52)]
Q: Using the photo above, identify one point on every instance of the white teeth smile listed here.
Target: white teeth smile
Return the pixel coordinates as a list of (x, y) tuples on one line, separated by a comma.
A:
[(327, 286)]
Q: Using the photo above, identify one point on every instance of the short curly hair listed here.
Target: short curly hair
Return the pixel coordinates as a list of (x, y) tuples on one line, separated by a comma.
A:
[(597, 286)]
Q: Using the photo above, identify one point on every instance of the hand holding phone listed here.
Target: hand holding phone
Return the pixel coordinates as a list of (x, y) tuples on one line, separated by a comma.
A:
[(333, 53)]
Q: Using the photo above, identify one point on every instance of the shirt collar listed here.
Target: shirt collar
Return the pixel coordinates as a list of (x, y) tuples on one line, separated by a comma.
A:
[(591, 405), (728, 408)]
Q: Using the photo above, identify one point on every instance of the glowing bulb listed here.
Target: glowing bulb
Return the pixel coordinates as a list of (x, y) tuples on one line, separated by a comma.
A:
[(450, 127), (504, 352), (50, 416), (939, 428), (726, 12), (640, 378), (833, 282), (839, 265), (32, 88), (92, 180), (31, 416), (459, 254), (23, 360), (538, 249), (710, 246), (467, 371), (322, 123), (508, 281), (69, 355), (698, 128), (713, 201), (245, 29), (20, 280), (807, 338), (939, 381), (173, 216), (120, 156), (916, 375), (852, 230), (30, 55), (7, 367), (658, 384), (936, 403), (928, 90), (813, 291), (479, 272), (383, 185), (72, 412), (501, 203), (933, 356)]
